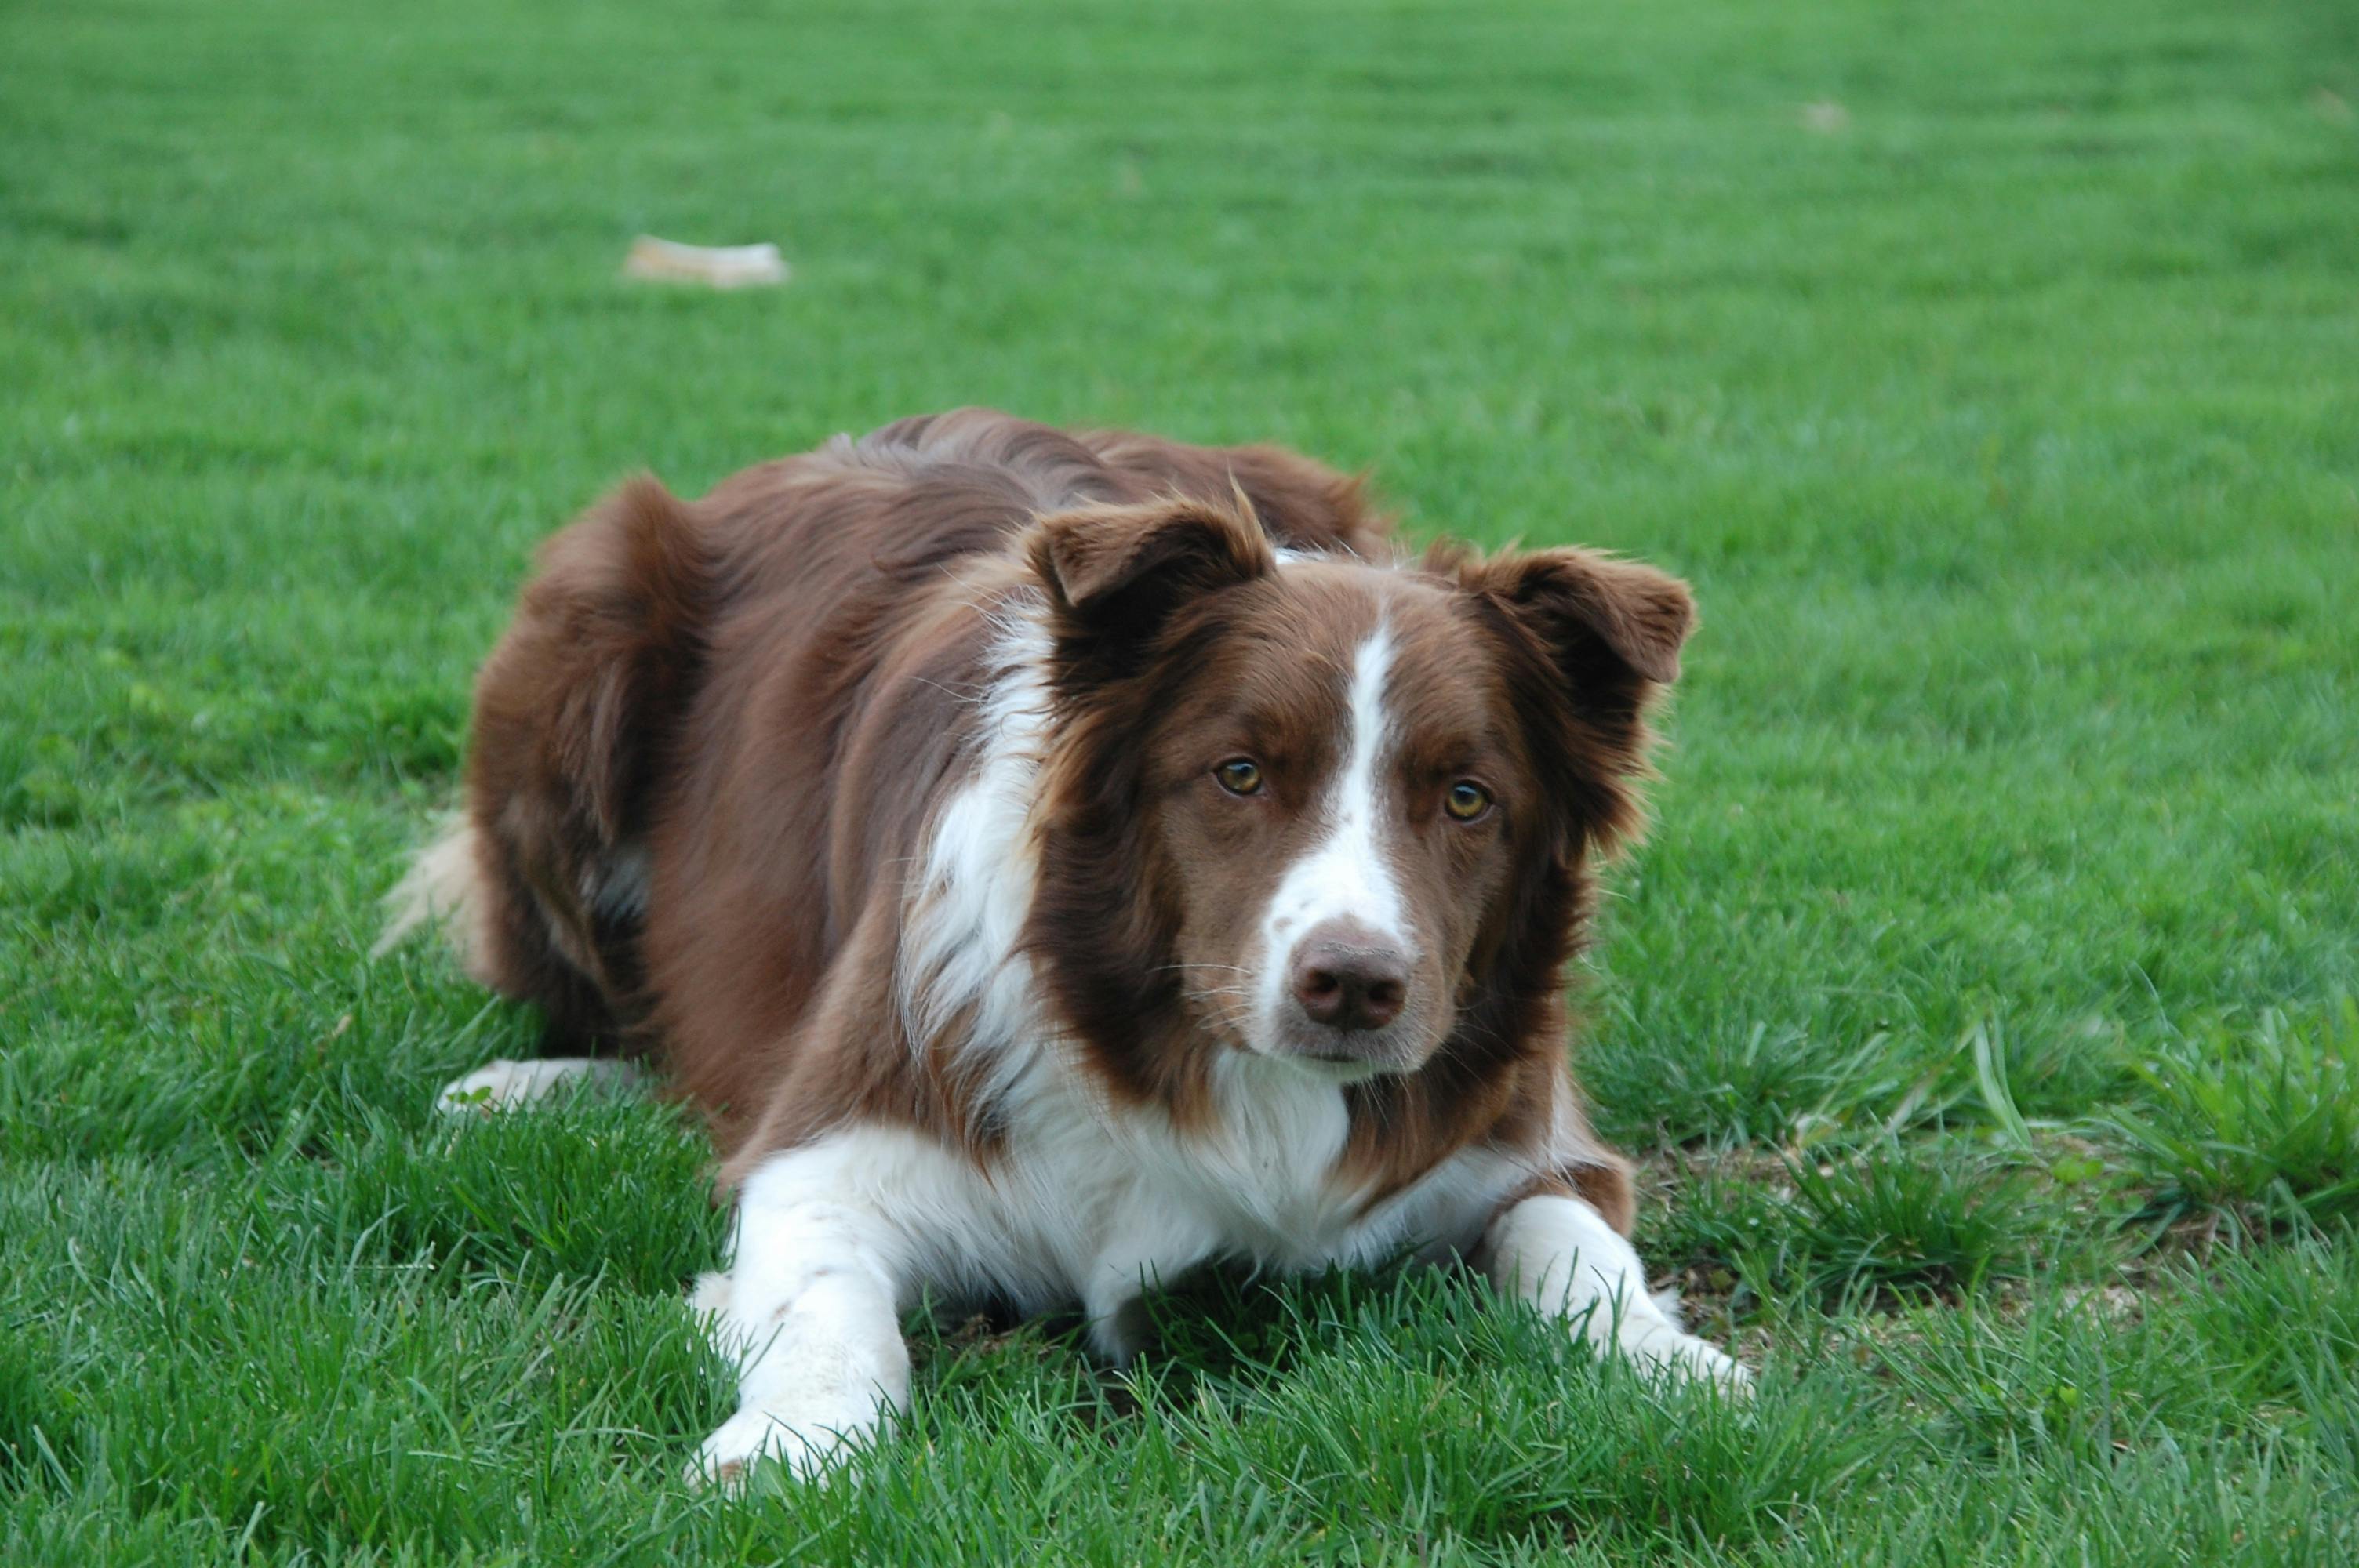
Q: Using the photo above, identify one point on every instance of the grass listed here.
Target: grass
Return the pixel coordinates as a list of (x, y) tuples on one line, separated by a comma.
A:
[(2260, 1125), (1977, 1007)]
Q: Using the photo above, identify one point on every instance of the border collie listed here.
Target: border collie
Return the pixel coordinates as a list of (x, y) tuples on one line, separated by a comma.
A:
[(1057, 861)]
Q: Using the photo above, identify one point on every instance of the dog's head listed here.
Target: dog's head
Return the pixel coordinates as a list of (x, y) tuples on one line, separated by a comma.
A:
[(1322, 810)]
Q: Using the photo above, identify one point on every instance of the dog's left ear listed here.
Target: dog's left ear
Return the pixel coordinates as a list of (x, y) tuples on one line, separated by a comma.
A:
[(1603, 622), (1595, 638)]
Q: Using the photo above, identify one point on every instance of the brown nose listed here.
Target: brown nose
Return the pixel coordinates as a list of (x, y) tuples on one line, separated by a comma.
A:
[(1346, 977)]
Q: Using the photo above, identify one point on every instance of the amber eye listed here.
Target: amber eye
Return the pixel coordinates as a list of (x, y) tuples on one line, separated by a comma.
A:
[(1239, 776), (1466, 800)]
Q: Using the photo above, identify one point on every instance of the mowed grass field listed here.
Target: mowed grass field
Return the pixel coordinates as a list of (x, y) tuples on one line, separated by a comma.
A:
[(1979, 1008)]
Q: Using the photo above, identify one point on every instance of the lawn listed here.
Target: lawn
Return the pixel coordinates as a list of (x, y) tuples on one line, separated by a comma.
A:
[(1980, 1008)]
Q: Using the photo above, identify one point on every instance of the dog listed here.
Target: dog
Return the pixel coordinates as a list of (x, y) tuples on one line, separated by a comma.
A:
[(1058, 861)]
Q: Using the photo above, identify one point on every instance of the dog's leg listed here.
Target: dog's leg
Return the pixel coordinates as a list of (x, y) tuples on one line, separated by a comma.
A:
[(1119, 1324), (504, 1085), (1558, 1254), (811, 1309), (1114, 1298)]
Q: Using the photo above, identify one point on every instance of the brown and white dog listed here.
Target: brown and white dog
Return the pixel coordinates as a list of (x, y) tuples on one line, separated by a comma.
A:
[(1055, 861)]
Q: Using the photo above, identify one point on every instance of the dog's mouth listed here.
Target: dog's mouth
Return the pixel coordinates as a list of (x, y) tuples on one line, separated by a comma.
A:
[(1325, 1052), (1345, 1059), (1339, 1068), (1347, 1055)]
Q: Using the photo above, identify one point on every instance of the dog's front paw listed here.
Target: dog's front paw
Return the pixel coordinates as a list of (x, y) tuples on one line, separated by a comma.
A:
[(806, 1445), (1658, 1344)]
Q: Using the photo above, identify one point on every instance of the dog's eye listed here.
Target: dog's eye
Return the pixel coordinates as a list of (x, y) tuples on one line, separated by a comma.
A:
[(1239, 776), (1466, 800)]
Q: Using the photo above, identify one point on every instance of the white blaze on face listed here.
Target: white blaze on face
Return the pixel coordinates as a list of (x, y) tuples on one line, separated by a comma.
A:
[(1345, 874)]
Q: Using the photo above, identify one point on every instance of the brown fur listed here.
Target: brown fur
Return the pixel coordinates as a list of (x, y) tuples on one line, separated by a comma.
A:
[(761, 696)]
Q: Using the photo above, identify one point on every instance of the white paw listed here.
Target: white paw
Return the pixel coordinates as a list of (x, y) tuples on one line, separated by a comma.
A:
[(504, 1085), (803, 1443), (1658, 1344), (495, 1085)]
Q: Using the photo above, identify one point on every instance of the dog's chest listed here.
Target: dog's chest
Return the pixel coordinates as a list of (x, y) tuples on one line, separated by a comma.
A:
[(1098, 1201), (1261, 1180)]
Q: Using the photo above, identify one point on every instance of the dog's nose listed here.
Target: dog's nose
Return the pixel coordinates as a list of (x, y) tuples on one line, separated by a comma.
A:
[(1347, 977)]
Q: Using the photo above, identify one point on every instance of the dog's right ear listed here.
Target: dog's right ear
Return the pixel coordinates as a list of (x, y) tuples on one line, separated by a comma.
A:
[(1124, 567), (1115, 574), (1595, 639)]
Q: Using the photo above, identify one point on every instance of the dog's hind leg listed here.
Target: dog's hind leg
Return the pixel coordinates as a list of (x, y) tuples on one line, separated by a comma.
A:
[(542, 888), (505, 1085)]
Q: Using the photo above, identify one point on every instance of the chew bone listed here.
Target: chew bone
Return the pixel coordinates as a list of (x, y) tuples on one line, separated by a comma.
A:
[(717, 266)]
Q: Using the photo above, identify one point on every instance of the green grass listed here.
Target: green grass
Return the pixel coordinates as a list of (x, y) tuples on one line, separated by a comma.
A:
[(2265, 1125), (1977, 1007)]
